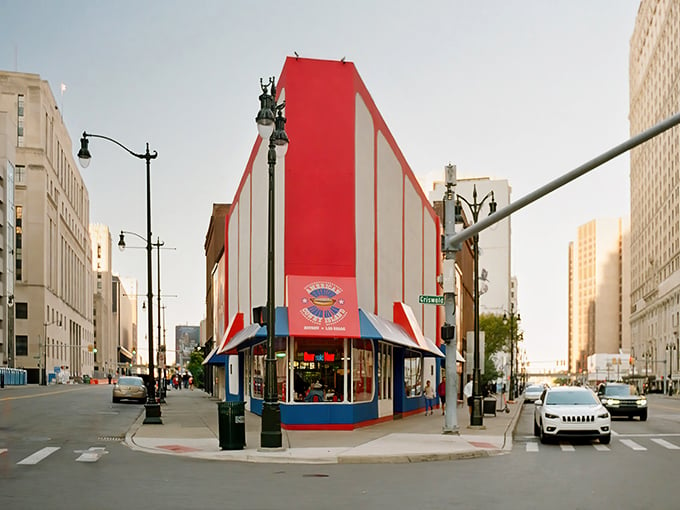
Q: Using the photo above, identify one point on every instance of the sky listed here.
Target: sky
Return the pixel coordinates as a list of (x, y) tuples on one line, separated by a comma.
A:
[(519, 90)]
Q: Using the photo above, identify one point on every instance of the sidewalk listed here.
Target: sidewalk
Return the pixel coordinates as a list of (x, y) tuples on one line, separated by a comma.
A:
[(190, 429)]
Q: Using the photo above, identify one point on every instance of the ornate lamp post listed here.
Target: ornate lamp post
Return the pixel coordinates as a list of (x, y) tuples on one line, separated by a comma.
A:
[(477, 416), (161, 345), (512, 322), (271, 126), (152, 408)]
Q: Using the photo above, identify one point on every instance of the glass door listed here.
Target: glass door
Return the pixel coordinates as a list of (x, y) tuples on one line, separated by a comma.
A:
[(385, 380)]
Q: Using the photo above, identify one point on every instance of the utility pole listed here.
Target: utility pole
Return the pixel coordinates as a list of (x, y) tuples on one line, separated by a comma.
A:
[(448, 331)]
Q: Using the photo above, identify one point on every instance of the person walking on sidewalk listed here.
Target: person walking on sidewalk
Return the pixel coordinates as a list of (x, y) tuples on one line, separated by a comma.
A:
[(441, 391), (467, 395), (429, 397)]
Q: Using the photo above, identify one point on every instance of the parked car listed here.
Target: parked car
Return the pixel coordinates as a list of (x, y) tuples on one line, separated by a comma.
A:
[(622, 399), (571, 411), (533, 392), (129, 387)]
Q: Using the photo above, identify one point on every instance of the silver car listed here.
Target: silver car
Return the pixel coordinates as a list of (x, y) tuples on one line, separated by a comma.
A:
[(130, 388), (533, 392), (571, 411)]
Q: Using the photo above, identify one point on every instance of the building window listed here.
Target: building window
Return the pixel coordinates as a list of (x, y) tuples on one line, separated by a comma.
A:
[(413, 374), (362, 370), (17, 244), (318, 370), (19, 174), (259, 355), (20, 120), (21, 310), (21, 345)]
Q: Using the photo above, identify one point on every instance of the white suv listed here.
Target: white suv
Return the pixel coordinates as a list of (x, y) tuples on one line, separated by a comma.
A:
[(571, 411)]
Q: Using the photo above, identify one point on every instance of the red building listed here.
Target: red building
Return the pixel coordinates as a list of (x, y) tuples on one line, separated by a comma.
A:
[(357, 243)]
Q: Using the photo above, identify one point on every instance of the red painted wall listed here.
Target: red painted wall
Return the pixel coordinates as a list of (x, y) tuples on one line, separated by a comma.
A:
[(319, 234)]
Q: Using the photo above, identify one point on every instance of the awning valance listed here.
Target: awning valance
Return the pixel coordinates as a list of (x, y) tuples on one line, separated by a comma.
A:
[(373, 326)]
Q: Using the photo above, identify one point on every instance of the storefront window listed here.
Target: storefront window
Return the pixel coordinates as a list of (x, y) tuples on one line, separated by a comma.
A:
[(318, 370), (413, 374), (362, 370), (259, 370)]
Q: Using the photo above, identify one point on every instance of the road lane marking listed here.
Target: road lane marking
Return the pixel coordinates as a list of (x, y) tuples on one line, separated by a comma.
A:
[(666, 444), (532, 447), (601, 447), (566, 447), (633, 445), (2, 450), (39, 455), (93, 454)]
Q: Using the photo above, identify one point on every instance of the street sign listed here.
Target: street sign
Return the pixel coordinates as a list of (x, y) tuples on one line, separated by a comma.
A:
[(430, 300)]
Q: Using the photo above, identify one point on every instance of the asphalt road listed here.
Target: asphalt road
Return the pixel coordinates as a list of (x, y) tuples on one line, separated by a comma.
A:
[(89, 467)]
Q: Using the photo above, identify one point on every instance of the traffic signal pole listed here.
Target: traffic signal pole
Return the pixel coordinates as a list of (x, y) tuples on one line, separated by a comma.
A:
[(448, 331)]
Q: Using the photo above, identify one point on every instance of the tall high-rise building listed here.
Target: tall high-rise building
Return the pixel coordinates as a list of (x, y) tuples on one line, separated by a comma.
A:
[(53, 258), (105, 359), (655, 192), (8, 132), (496, 295), (598, 309)]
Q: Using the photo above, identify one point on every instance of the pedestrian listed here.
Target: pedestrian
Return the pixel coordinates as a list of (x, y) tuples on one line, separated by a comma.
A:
[(467, 394), (429, 397), (441, 391), (191, 383), (109, 376)]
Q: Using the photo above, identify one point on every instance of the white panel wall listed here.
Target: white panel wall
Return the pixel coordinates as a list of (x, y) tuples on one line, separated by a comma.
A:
[(413, 249), (232, 289), (430, 240), (364, 200), (389, 207), (244, 248)]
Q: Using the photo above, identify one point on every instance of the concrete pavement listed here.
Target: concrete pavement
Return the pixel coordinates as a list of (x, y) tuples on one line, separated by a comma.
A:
[(190, 429)]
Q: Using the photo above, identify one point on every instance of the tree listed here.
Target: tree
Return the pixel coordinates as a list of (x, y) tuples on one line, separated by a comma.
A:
[(496, 339), (195, 366)]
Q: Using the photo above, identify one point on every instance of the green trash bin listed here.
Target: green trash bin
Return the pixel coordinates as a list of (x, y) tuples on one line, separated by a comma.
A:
[(232, 425), (86, 379)]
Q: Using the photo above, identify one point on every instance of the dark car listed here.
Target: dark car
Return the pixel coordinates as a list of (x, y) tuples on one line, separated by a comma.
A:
[(622, 399)]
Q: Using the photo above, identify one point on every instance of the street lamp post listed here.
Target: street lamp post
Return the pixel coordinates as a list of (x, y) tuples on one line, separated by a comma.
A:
[(43, 352), (477, 416), (271, 126), (512, 321), (152, 408)]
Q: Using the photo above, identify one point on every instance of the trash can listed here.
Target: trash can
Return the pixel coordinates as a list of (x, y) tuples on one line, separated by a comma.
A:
[(490, 406), (232, 425), (86, 379)]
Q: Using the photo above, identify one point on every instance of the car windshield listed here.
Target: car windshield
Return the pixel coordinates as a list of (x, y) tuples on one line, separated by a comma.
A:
[(620, 391), (130, 381), (578, 398), (534, 389)]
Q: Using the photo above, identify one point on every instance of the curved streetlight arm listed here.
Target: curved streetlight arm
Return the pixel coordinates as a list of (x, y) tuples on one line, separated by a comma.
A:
[(577, 172), (475, 206), (146, 155)]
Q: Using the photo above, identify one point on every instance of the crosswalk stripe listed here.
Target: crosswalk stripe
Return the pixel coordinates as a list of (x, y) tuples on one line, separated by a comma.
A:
[(601, 447), (39, 455), (532, 447), (633, 445), (666, 444), (566, 447)]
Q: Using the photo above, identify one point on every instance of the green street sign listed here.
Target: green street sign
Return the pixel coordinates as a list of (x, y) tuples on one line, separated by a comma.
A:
[(430, 300)]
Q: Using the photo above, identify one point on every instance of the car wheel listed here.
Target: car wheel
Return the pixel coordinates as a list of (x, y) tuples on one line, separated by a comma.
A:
[(536, 429), (116, 400), (544, 439), (643, 415), (606, 439)]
